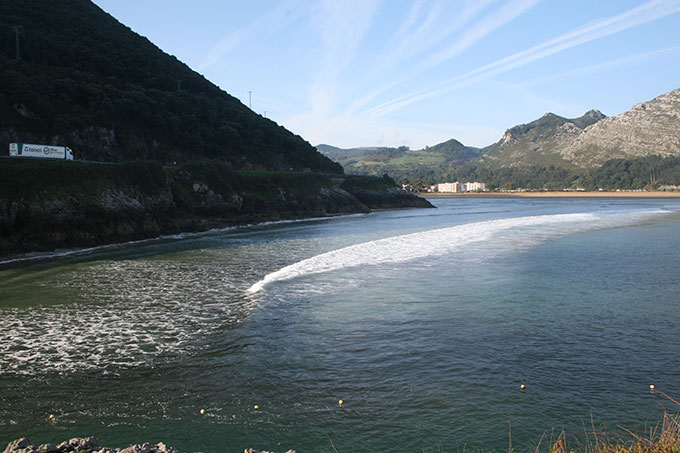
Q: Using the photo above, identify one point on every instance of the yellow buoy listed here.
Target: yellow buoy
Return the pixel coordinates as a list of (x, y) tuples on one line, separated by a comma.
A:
[(202, 411), (51, 416), (651, 387), (256, 407), (522, 387), (340, 403)]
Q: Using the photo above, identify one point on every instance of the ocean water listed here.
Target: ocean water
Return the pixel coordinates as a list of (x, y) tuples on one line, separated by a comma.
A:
[(424, 322)]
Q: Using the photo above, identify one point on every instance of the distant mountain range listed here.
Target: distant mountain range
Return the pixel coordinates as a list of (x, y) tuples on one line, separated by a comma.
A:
[(539, 142), (585, 143)]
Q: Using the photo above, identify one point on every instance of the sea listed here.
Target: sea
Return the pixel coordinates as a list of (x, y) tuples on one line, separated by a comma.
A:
[(494, 323)]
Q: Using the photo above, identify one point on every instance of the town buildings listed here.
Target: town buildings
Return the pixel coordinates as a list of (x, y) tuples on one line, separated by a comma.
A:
[(456, 187)]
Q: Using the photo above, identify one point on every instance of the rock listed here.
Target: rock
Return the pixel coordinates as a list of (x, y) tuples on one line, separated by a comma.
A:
[(119, 213), (148, 448), (84, 445), (648, 128), (66, 445), (22, 445)]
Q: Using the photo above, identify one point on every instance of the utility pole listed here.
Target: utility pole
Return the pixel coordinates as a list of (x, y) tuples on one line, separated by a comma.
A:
[(250, 99), (16, 34), (265, 114)]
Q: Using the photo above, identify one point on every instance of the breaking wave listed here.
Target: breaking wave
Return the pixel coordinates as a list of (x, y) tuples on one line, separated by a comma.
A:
[(503, 235)]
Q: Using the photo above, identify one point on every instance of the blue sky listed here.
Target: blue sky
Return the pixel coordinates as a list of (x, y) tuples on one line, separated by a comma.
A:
[(391, 72)]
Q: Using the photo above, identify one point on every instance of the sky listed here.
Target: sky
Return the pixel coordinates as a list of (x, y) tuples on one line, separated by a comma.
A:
[(353, 73)]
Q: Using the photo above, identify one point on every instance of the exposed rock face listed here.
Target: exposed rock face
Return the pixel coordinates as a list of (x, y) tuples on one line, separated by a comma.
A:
[(539, 142), (649, 128), (77, 221), (391, 199), (122, 214)]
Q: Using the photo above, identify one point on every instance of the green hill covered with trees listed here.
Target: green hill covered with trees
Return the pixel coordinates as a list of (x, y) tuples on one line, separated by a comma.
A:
[(172, 152), (81, 79)]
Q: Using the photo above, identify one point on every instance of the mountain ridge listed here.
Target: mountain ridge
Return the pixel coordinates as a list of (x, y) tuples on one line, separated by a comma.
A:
[(580, 144), (648, 128), (538, 142)]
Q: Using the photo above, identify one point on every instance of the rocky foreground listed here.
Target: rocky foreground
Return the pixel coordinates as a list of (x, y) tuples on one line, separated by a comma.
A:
[(92, 445), (89, 445)]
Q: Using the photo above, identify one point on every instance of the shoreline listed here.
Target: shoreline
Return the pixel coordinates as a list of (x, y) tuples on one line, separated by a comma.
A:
[(7, 261), (552, 194)]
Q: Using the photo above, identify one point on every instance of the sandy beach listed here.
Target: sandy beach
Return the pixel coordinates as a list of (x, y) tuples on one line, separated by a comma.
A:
[(555, 194)]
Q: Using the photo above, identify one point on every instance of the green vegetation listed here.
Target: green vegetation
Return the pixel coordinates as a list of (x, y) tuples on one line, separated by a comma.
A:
[(509, 178), (88, 82), (640, 173), (25, 179), (267, 186), (368, 183), (45, 204), (401, 162), (647, 173), (28, 179)]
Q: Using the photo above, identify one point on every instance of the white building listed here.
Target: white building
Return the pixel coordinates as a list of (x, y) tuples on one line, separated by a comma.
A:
[(455, 187), (450, 187), (475, 187)]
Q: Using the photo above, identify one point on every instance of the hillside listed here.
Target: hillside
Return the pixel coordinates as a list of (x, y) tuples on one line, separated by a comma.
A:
[(649, 128), (171, 151), (539, 142), (86, 81), (636, 149), (47, 204), (401, 163)]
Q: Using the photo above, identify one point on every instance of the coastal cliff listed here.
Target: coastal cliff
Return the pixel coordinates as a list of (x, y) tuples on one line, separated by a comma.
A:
[(47, 205)]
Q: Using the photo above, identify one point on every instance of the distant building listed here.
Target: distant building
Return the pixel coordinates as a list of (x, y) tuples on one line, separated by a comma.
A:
[(448, 187), (475, 187), (456, 187)]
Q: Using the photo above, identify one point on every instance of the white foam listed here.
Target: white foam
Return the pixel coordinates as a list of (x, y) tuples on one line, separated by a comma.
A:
[(506, 234), (121, 314), (65, 253)]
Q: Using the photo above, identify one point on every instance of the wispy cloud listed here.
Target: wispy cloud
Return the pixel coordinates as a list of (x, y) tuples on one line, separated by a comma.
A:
[(275, 20), (648, 12), (424, 31), (342, 27), (350, 131), (605, 66), (496, 19)]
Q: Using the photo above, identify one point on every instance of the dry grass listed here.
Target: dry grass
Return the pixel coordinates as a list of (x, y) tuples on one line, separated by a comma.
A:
[(664, 438)]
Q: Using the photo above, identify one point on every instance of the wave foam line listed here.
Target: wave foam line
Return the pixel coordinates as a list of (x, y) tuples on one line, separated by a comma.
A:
[(42, 256), (516, 232)]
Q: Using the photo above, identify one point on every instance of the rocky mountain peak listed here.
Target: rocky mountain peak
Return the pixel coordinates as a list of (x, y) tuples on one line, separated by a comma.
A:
[(667, 103), (589, 118), (648, 128)]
